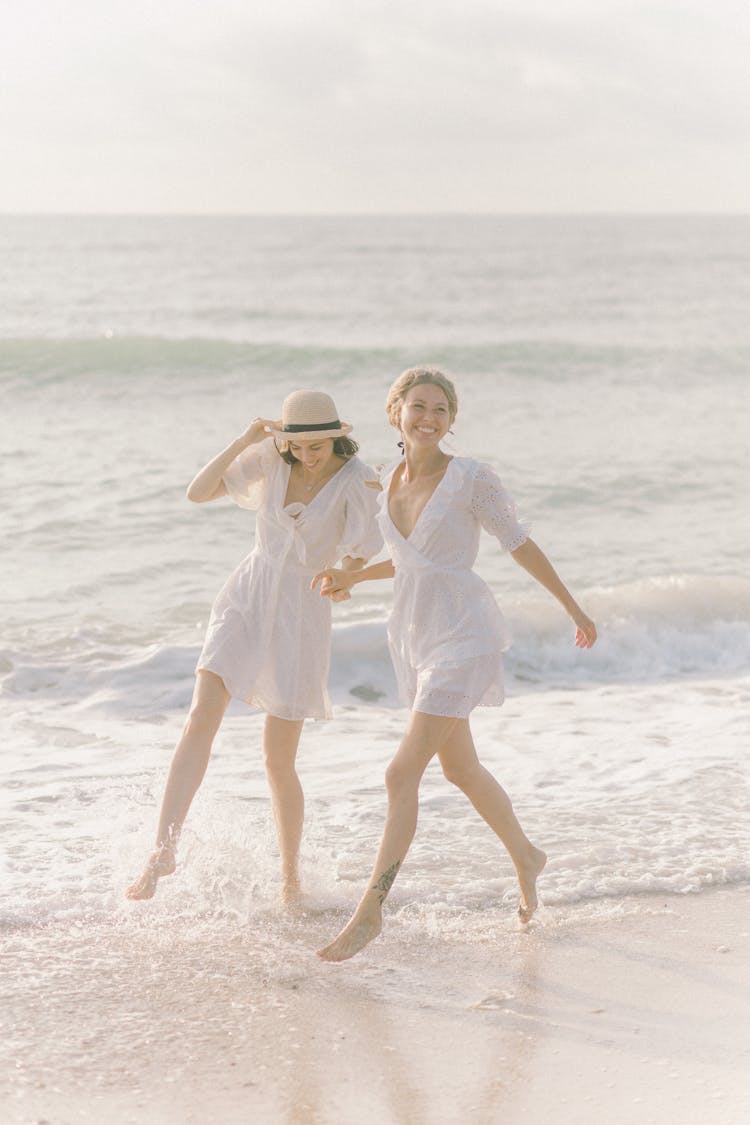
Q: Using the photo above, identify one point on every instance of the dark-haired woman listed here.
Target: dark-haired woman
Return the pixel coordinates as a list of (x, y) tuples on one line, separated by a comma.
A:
[(268, 639)]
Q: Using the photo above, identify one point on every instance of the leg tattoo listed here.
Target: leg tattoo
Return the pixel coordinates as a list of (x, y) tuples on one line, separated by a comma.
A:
[(385, 882)]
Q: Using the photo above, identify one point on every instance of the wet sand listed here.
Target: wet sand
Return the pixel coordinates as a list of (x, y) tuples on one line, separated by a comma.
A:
[(632, 1012)]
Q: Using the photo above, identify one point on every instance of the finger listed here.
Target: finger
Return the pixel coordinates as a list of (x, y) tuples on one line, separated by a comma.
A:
[(589, 638)]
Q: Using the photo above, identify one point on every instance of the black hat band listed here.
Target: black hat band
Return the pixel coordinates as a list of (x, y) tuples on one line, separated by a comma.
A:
[(293, 429)]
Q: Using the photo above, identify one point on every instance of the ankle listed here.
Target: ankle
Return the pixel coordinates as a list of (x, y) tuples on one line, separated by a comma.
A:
[(369, 910)]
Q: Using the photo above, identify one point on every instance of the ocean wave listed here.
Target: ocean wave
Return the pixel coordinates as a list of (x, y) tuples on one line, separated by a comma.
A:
[(52, 359), (655, 630)]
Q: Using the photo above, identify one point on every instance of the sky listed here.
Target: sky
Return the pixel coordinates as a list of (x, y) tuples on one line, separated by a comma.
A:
[(328, 106)]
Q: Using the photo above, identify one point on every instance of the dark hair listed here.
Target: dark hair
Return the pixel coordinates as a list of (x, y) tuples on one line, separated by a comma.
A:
[(342, 447)]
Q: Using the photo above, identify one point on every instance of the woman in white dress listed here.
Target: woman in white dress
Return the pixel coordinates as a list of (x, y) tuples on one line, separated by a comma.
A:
[(446, 633), (268, 639)]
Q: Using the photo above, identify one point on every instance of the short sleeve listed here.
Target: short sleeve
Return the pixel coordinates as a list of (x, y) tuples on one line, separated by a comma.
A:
[(245, 478), (493, 506), (361, 538)]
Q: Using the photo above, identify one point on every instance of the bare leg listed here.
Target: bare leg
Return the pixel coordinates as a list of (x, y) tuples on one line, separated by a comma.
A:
[(461, 766), (424, 737), (210, 699), (280, 742)]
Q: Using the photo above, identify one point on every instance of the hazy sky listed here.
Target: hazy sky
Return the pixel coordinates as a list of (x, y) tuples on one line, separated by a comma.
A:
[(387, 105)]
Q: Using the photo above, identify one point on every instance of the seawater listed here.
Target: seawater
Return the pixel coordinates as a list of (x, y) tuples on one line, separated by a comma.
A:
[(602, 368)]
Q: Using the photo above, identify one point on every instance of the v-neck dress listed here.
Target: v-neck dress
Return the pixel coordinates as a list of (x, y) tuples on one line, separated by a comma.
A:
[(269, 633), (446, 633)]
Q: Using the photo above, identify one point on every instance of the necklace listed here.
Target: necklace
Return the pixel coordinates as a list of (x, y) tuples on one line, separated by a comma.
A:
[(319, 483)]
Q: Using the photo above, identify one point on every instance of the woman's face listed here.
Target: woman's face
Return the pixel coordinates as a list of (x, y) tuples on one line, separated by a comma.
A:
[(315, 456), (425, 415)]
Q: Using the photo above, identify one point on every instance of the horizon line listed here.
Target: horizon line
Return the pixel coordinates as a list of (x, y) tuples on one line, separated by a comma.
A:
[(595, 213)]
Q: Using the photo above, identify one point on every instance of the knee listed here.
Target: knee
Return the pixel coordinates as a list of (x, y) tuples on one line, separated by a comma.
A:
[(399, 778), (278, 767), (460, 775), (202, 722)]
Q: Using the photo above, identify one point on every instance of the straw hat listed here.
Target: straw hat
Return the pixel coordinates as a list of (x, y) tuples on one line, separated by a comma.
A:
[(307, 415)]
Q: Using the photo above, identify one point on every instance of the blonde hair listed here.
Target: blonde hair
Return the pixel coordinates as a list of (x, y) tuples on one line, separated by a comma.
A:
[(414, 377)]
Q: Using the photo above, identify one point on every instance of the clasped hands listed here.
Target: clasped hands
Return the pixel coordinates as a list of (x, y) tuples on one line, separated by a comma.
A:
[(334, 584)]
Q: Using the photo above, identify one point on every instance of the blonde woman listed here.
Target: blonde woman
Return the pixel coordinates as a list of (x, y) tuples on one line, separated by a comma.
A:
[(268, 639), (446, 633)]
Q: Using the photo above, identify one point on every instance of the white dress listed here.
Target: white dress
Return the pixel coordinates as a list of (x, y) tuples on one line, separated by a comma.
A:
[(446, 633), (269, 633)]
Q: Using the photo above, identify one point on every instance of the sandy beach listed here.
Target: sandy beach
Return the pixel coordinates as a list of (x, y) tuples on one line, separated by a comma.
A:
[(638, 1017)]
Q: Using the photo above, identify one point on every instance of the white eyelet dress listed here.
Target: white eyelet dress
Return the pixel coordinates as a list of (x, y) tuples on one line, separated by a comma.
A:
[(446, 633), (269, 634)]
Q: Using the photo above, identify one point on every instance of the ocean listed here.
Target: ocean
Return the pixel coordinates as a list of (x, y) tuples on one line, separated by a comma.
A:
[(602, 366)]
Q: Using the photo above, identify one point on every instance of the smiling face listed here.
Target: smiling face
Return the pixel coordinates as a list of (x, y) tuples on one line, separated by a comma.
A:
[(314, 456), (425, 415)]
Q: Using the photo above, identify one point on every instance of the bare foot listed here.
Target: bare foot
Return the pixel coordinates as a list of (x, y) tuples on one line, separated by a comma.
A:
[(161, 862), (527, 877), (291, 895), (354, 937)]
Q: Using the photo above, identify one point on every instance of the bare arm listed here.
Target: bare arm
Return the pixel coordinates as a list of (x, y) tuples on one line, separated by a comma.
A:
[(333, 581), (207, 484), (535, 562)]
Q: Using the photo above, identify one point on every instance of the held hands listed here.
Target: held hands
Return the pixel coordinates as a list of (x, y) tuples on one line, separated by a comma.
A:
[(334, 584)]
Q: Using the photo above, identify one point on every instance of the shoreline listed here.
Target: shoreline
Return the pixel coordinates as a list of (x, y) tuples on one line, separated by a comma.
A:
[(633, 1018)]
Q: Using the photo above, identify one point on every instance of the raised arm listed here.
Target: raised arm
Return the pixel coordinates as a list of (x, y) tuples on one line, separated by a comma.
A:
[(534, 560), (207, 484)]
